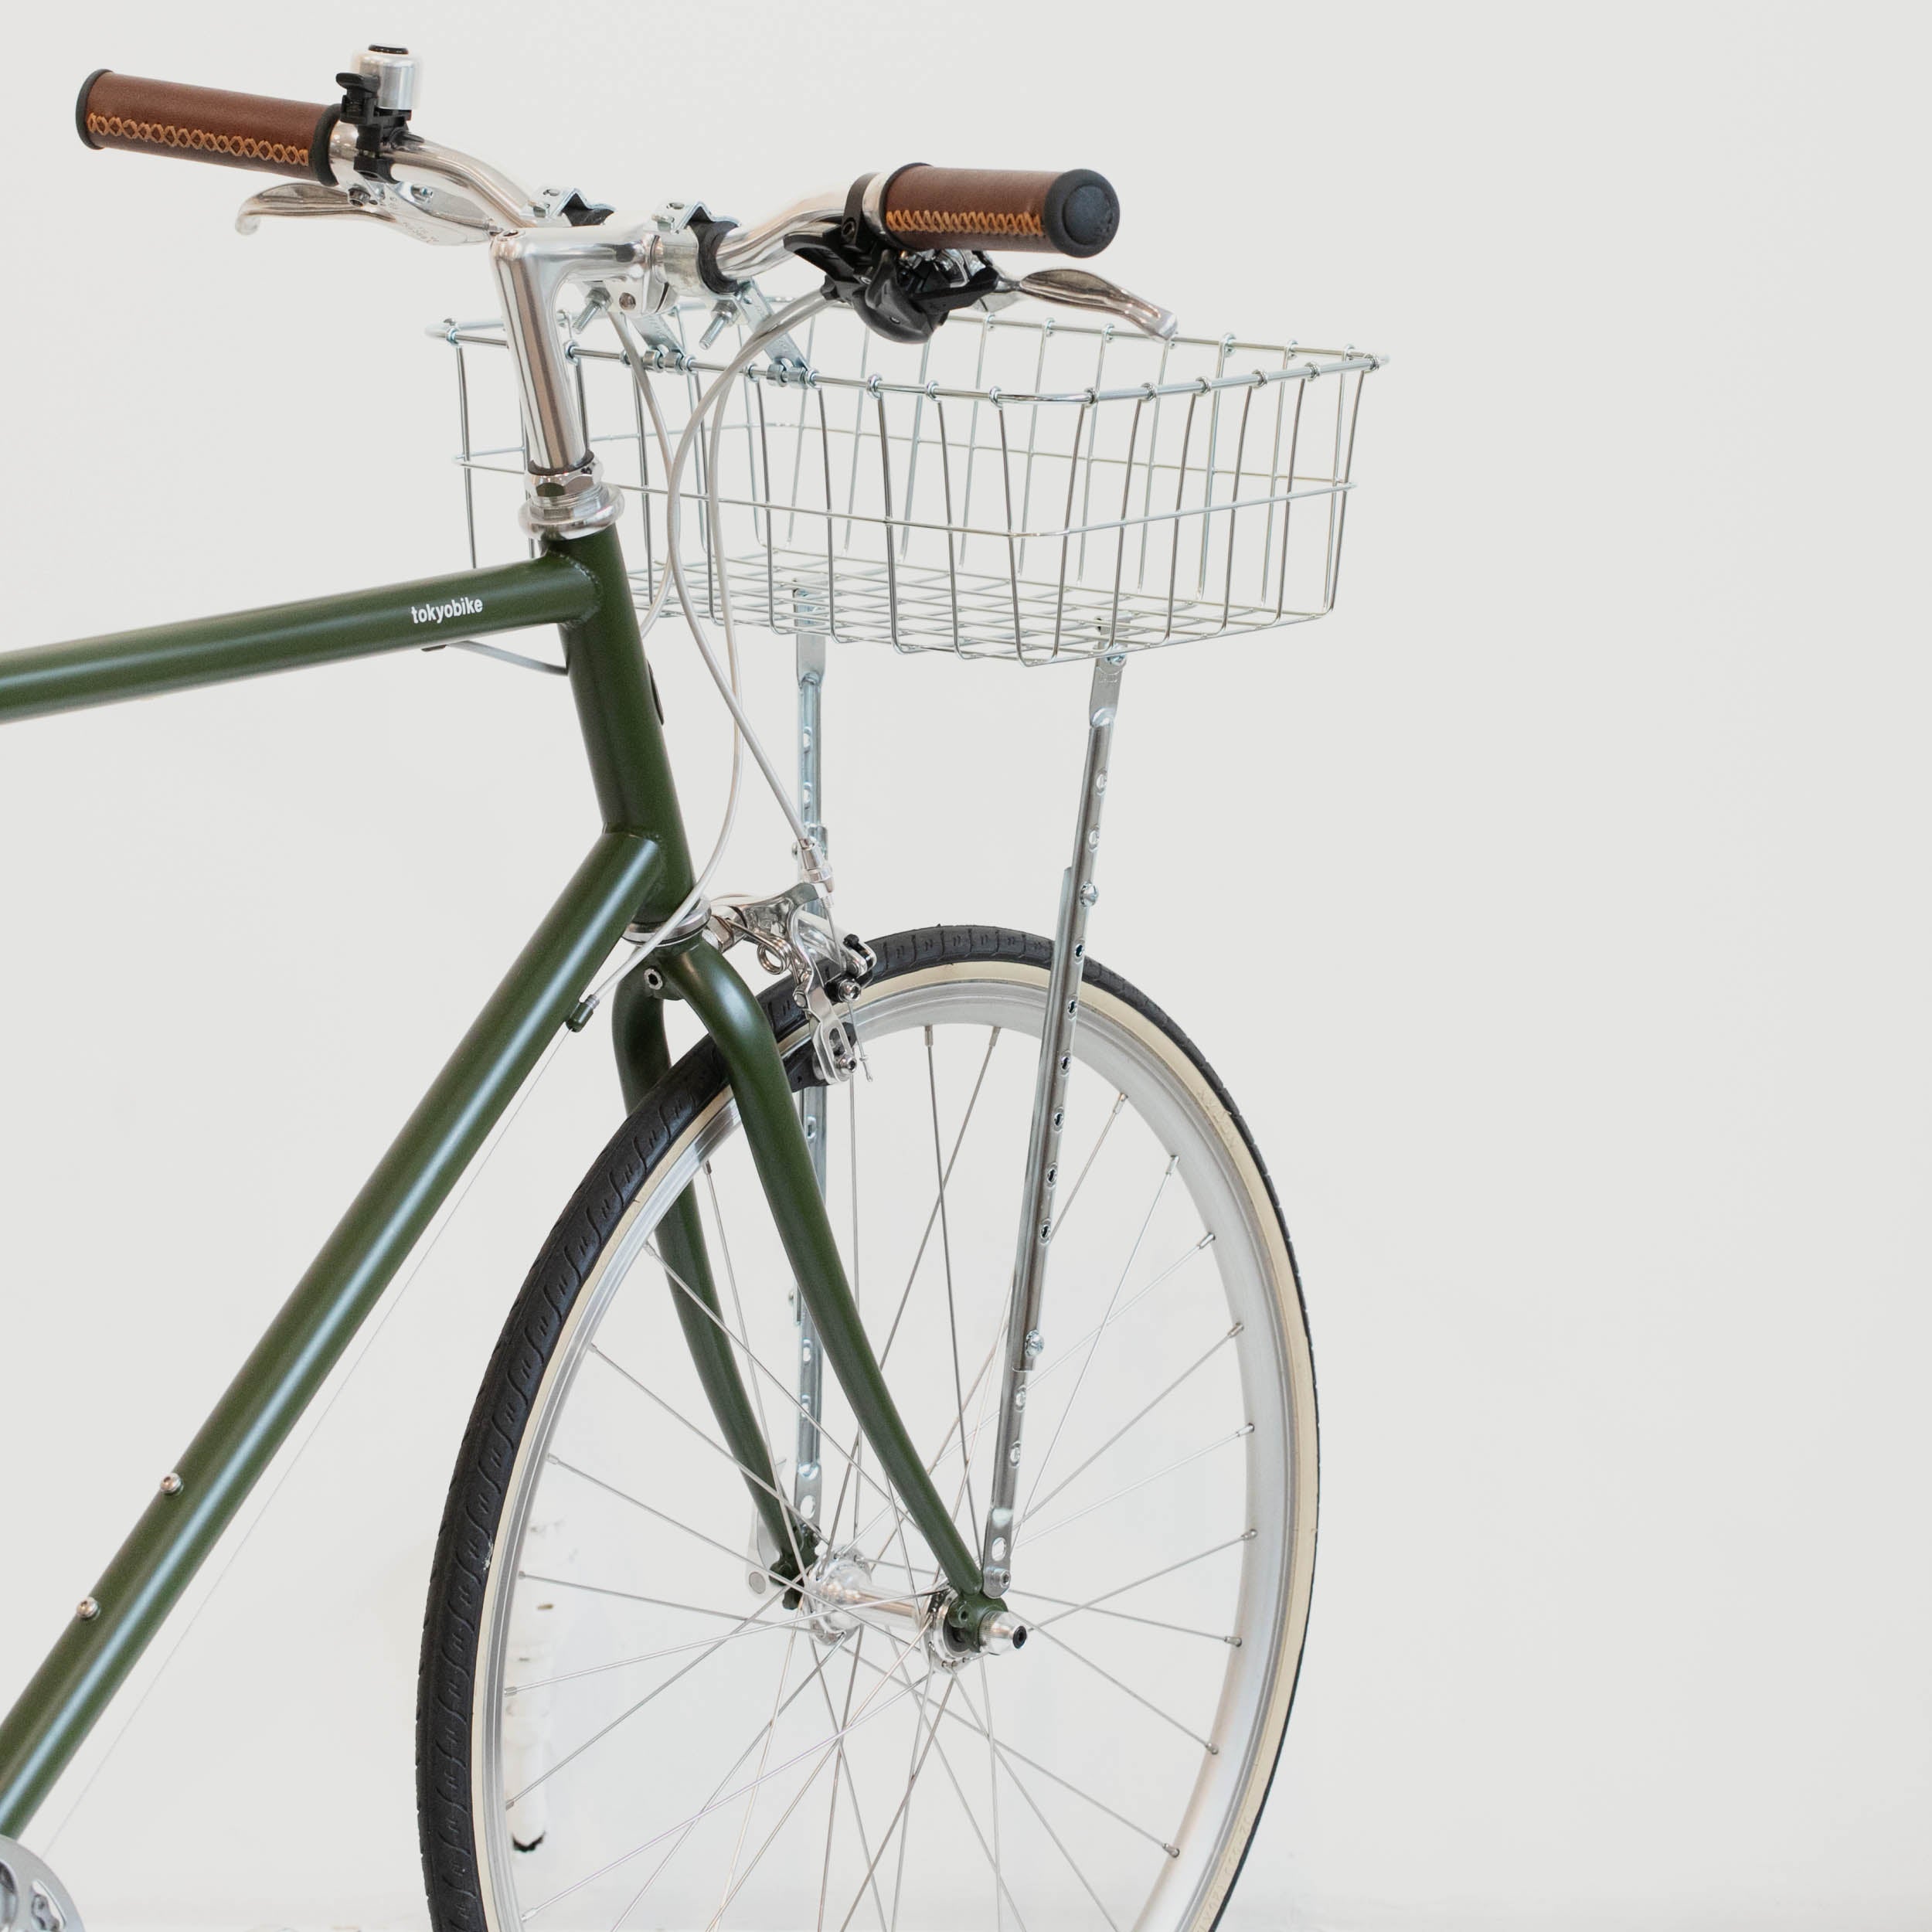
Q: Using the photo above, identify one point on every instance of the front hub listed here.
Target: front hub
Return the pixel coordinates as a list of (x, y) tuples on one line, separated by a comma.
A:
[(839, 1594)]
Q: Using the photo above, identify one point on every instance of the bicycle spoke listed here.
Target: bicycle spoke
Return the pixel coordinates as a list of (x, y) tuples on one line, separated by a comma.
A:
[(946, 1253), (1121, 1589), (1068, 1354), (1072, 1864), (1086, 1166), (705, 1810), (1139, 1415), (1033, 1764), (790, 1395), (920, 1722), (846, 1479), (710, 1442), (645, 1657), (985, 1386), (832, 1804), (1180, 1462), (624, 1716), (1133, 1254), (899, 1815), (751, 1801), (1125, 1616), (817, 1676), (1127, 1690), (629, 1596), (984, 1390), (992, 1786), (758, 1399), (844, 1768), (771, 1837), (650, 1509), (979, 1837), (932, 1220)]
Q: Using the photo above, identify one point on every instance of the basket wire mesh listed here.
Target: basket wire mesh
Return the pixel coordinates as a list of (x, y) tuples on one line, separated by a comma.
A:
[(1019, 487)]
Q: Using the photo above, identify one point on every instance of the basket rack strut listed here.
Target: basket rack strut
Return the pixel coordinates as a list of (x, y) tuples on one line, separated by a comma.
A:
[(1025, 1342)]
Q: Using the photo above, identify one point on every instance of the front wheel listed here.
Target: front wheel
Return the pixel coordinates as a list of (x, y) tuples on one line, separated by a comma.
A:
[(622, 1723)]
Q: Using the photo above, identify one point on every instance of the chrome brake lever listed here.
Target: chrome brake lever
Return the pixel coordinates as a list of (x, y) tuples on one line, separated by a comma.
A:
[(429, 214), (1080, 288)]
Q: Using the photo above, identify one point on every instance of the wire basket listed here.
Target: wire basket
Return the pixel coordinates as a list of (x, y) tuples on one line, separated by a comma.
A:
[(1021, 486)]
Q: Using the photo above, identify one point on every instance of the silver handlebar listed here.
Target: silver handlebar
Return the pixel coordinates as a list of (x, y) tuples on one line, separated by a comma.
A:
[(439, 195), (745, 252)]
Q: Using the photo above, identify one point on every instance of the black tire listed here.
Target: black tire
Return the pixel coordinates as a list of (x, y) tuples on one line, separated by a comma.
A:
[(453, 1625)]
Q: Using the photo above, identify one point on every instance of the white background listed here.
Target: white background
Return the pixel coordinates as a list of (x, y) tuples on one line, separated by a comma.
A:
[(1557, 911)]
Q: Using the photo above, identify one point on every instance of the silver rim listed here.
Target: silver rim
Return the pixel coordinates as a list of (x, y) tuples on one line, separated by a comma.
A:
[(694, 1753)]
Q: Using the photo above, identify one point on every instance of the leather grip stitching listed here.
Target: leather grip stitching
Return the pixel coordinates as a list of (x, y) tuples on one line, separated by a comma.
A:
[(197, 140), (979, 221)]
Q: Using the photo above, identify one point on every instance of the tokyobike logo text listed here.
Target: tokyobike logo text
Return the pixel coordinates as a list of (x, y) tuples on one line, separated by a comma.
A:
[(436, 613)]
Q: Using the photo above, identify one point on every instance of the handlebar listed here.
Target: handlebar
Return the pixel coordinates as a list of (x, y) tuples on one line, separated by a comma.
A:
[(206, 123), (917, 208), (904, 248)]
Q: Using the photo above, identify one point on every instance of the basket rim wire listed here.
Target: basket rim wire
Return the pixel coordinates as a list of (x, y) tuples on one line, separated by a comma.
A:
[(910, 582)]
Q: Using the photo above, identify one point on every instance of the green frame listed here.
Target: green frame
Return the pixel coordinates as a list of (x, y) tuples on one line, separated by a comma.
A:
[(637, 870)]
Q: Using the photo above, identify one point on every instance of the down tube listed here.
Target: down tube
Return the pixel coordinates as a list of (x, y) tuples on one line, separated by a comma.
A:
[(179, 1527)]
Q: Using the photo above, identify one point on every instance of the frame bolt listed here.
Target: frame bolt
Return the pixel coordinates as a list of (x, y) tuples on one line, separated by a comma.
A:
[(86, 1610), (1089, 894), (653, 980), (171, 1484), (1035, 1344)]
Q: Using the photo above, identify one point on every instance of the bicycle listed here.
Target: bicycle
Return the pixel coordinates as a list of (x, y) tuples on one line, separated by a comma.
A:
[(661, 1496)]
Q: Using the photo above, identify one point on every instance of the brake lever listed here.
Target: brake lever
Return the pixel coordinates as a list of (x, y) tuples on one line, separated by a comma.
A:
[(429, 214), (1081, 288)]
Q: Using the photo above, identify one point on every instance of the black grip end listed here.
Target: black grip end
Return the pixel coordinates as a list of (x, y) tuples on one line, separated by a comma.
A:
[(1082, 214), (80, 109)]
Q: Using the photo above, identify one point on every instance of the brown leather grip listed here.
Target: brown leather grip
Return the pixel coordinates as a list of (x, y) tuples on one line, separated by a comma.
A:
[(205, 124), (1072, 213)]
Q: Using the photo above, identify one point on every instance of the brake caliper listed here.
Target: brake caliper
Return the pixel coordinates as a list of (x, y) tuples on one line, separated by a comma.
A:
[(796, 932)]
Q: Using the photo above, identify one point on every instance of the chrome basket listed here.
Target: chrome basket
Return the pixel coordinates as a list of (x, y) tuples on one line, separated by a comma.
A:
[(1021, 486)]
